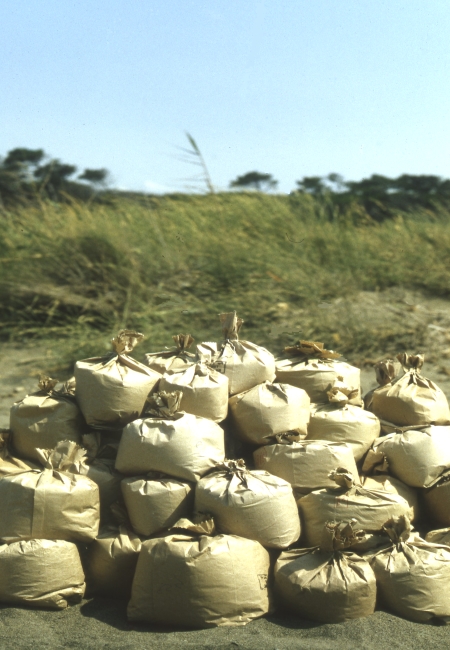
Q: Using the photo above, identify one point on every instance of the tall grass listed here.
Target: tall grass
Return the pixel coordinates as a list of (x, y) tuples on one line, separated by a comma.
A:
[(169, 264)]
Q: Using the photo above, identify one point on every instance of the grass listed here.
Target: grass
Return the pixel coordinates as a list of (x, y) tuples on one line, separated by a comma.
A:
[(77, 273)]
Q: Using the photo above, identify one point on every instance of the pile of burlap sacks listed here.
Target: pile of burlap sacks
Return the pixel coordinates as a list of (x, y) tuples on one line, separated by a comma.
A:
[(210, 487)]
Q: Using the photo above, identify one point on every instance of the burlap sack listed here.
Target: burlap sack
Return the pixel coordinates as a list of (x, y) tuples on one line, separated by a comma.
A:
[(172, 359), (155, 502), (327, 584), (252, 504), (200, 582), (204, 390), (10, 464), (340, 421), (112, 390), (437, 500), (50, 503), (415, 456), (371, 508), (179, 444), (110, 562), (309, 366), (411, 399), (413, 575), (244, 363), (263, 412), (440, 536), (43, 419), (306, 464), (394, 486), (41, 573)]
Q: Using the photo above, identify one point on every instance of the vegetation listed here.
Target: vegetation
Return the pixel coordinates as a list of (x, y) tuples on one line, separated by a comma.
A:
[(255, 181), (77, 272)]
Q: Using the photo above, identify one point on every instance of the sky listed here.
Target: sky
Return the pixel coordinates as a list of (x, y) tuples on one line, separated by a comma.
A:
[(291, 88)]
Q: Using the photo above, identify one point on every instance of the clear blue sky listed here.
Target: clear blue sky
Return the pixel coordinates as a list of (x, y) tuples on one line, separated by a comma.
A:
[(294, 88)]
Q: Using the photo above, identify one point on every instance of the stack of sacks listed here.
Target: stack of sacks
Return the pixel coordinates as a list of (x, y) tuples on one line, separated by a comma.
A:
[(310, 366), (341, 421), (194, 578), (392, 485), (172, 359), (9, 464), (327, 583), (245, 364)]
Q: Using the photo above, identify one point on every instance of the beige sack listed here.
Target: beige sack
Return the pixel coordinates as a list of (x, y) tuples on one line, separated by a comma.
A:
[(253, 504), (413, 575), (371, 508), (394, 486), (41, 573), (155, 503), (43, 419), (340, 421), (245, 364), (309, 366), (110, 562), (112, 390), (327, 584), (440, 536), (437, 500), (204, 390), (172, 359), (263, 412), (10, 464), (411, 399), (50, 503), (415, 456), (306, 464), (200, 582), (180, 444)]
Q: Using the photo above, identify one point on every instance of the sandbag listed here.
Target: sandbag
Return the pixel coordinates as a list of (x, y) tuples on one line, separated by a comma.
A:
[(411, 399), (249, 503), (44, 418), (204, 391), (309, 366), (263, 412), (244, 363), (340, 421), (413, 575), (394, 486), (200, 581), (371, 508), (41, 573), (112, 390), (306, 464), (50, 503), (11, 464), (327, 583), (440, 536), (172, 359), (110, 562), (156, 502), (436, 500), (415, 456), (182, 445)]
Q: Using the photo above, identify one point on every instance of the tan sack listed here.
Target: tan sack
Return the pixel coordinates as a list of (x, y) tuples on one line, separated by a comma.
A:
[(112, 390), (156, 502), (249, 503), (50, 503), (306, 464), (340, 421), (204, 390), (415, 456), (263, 412), (411, 399), (10, 464), (309, 366), (437, 500), (41, 573), (202, 581), (327, 583), (244, 363), (172, 359), (413, 575), (394, 486), (179, 444), (43, 419), (110, 562), (371, 508), (440, 536)]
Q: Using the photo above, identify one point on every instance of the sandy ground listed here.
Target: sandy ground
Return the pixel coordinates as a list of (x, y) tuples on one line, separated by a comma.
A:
[(102, 623)]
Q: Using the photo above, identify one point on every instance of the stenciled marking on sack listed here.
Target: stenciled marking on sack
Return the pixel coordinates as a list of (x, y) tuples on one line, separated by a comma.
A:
[(220, 366), (263, 580)]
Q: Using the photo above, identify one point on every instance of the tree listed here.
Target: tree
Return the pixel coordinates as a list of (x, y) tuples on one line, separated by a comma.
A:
[(54, 175), (97, 177), (255, 181)]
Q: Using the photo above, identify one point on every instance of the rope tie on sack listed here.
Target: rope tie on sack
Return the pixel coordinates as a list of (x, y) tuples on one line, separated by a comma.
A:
[(311, 350)]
